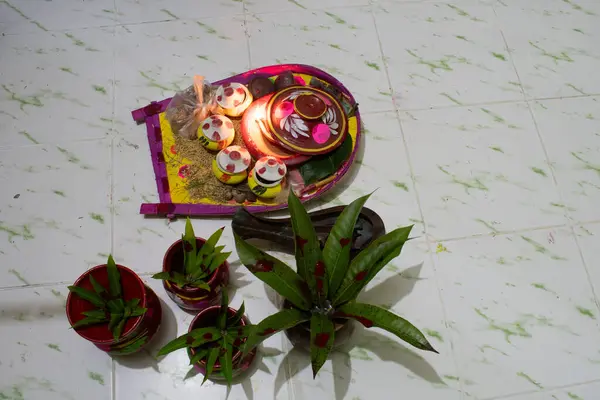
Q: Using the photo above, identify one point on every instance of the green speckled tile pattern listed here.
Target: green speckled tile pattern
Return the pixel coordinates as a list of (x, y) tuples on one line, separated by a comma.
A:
[(481, 128)]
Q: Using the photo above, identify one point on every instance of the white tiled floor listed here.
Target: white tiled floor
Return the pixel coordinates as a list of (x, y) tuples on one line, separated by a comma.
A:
[(488, 111)]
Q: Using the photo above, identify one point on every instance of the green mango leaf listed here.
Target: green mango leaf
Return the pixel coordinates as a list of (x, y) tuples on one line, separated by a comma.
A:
[(98, 314), (200, 354), (87, 321), (235, 320), (178, 278), (165, 276), (88, 295), (217, 261), (202, 336), (114, 278), (282, 320), (116, 306), (370, 316), (119, 329), (336, 252), (226, 362), (138, 311), (239, 332), (189, 247), (210, 364), (211, 243), (222, 317), (115, 318), (320, 167), (321, 340), (98, 288), (132, 304), (279, 276), (201, 285), (309, 260), (381, 251), (175, 344)]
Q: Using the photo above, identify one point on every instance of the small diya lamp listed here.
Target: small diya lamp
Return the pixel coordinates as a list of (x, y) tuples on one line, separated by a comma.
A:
[(231, 164), (309, 106), (265, 178), (216, 132), (234, 98)]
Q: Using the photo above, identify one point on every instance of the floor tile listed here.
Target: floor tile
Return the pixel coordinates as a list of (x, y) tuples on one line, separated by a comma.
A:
[(441, 54), (481, 170), (515, 300), (271, 6), (43, 16), (570, 129), (553, 45), (135, 11), (55, 217), (167, 55), (579, 392), (587, 236), (41, 358), (342, 42), (381, 169), (48, 96)]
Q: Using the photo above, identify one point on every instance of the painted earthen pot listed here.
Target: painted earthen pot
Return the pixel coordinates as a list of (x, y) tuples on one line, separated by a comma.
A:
[(233, 98), (231, 165), (216, 132), (265, 179), (306, 120), (138, 331), (241, 363), (192, 298)]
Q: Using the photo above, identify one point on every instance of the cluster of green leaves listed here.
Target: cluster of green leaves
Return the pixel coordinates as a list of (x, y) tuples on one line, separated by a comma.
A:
[(198, 264), (327, 281), (217, 342), (111, 308)]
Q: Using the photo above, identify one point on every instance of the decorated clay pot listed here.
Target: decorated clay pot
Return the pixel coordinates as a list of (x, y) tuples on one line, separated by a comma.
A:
[(299, 335), (241, 363), (193, 298), (231, 164), (306, 120), (138, 331), (233, 98), (216, 132), (266, 177), (260, 87)]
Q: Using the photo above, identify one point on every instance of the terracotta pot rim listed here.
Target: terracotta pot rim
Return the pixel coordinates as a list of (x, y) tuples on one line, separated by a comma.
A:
[(244, 321), (212, 278), (138, 320)]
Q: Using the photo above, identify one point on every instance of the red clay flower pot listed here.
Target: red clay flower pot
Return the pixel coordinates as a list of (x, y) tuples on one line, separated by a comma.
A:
[(206, 318), (191, 298), (138, 331)]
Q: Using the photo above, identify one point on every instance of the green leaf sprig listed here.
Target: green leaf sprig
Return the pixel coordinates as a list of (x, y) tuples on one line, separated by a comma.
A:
[(327, 282), (199, 264), (216, 342), (110, 306)]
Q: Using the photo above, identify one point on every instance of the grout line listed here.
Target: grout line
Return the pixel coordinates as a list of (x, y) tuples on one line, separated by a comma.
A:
[(545, 390), (113, 366), (567, 214), (247, 34), (418, 200), (499, 233)]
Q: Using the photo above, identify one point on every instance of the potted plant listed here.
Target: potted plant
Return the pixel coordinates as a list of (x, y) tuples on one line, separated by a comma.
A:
[(110, 306), (195, 270), (320, 297), (214, 342)]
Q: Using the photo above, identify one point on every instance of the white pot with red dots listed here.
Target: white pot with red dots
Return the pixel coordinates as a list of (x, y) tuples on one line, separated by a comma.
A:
[(234, 98), (216, 132), (231, 164), (266, 177)]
